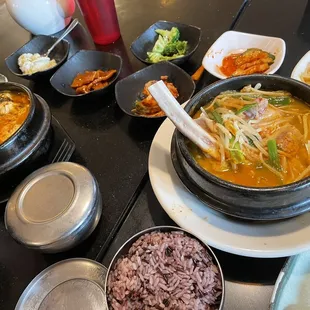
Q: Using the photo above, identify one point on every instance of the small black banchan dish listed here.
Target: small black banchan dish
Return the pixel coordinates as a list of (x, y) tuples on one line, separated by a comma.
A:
[(145, 42), (39, 44), (85, 60), (128, 90), (254, 203)]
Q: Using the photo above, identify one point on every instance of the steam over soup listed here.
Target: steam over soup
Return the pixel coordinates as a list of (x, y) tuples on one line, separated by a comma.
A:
[(14, 109), (263, 137)]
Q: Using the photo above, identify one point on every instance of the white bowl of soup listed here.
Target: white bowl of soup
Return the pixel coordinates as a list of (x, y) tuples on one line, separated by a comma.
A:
[(260, 126), (25, 133)]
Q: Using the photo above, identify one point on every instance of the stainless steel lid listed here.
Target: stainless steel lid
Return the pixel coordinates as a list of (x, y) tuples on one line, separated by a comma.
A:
[(73, 284), (3, 78), (52, 205)]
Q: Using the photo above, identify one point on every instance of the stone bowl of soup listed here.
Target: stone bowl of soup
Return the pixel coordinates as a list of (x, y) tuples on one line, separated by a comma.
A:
[(259, 131), (25, 133)]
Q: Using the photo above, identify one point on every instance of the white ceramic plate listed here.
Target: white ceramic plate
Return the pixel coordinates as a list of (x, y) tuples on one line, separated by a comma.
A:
[(301, 66), (237, 42), (254, 239)]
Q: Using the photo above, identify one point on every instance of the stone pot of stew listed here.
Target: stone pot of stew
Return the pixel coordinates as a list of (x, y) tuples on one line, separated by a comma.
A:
[(25, 134), (267, 199)]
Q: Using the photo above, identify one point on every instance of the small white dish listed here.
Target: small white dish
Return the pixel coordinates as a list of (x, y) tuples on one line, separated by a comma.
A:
[(237, 42), (301, 67)]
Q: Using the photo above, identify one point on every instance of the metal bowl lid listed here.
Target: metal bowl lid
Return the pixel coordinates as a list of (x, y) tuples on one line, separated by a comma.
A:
[(3, 78), (51, 204), (73, 284)]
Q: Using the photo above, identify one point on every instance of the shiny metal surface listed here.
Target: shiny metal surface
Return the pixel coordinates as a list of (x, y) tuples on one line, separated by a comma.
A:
[(73, 284), (67, 31), (123, 250), (54, 208), (3, 78)]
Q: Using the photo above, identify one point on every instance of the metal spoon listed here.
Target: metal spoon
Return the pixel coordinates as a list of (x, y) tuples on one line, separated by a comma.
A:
[(182, 121), (68, 30)]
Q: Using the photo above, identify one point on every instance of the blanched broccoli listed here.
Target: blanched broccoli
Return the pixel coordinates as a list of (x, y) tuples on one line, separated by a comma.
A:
[(169, 36), (157, 57), (178, 48), (154, 57), (167, 46), (159, 45)]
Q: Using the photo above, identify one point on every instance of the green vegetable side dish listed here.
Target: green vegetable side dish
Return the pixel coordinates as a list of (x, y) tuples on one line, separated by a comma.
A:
[(168, 46)]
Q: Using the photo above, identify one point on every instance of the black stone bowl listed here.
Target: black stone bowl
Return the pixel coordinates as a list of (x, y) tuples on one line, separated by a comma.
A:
[(127, 90), (23, 152), (268, 203), (145, 42), (85, 60), (39, 44)]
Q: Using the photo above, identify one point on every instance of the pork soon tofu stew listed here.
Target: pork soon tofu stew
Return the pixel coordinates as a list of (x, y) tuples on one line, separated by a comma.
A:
[(14, 109), (263, 137)]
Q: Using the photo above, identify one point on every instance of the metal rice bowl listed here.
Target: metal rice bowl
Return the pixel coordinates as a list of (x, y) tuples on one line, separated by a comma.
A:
[(124, 249)]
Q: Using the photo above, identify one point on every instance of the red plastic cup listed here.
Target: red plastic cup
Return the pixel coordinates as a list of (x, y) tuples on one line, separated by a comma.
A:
[(101, 19)]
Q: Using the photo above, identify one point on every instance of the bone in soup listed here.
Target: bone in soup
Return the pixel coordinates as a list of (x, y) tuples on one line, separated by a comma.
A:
[(258, 138), (14, 109)]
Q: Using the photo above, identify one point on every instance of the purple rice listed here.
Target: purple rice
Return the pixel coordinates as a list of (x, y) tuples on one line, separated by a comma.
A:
[(165, 271)]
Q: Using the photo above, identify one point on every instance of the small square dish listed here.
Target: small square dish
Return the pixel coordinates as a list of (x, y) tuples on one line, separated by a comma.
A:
[(301, 72), (39, 44), (234, 42), (129, 89), (85, 60), (146, 41)]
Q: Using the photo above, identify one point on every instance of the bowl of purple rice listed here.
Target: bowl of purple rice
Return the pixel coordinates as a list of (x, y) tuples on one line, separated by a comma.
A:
[(164, 267)]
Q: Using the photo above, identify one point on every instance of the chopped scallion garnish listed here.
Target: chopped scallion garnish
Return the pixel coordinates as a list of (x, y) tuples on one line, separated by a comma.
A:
[(217, 117), (278, 101), (273, 154), (246, 108), (216, 104)]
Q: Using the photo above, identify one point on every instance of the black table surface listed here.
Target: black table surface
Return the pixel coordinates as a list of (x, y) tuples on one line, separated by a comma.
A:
[(115, 147)]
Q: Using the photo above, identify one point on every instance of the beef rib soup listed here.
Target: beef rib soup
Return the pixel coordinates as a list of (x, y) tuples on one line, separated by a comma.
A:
[(263, 137), (14, 109)]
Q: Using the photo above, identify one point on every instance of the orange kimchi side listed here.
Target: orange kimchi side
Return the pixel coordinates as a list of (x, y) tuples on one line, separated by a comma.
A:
[(253, 60)]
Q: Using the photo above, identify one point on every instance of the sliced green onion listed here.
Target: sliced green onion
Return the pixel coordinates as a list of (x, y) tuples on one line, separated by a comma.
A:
[(273, 154), (216, 104), (217, 117), (247, 98), (239, 95), (236, 154), (246, 108), (279, 100)]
